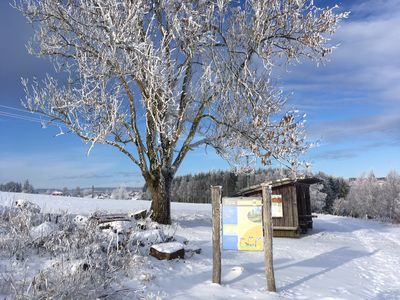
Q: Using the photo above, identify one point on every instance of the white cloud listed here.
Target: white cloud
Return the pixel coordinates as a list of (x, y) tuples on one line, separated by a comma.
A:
[(386, 126), (367, 59), (356, 94)]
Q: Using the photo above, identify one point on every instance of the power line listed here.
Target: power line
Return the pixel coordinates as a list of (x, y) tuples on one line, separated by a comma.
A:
[(43, 122), (21, 117), (17, 115), (14, 108)]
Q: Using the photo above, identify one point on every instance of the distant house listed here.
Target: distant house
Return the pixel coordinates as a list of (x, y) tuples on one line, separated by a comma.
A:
[(103, 196), (135, 195), (57, 193)]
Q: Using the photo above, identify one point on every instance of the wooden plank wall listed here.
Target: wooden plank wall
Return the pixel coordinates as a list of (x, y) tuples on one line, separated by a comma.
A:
[(289, 213)]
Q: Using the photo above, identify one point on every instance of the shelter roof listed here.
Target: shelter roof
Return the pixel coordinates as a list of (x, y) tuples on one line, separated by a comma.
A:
[(279, 182)]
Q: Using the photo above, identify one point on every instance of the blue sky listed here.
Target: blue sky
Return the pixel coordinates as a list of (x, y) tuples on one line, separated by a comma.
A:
[(352, 103)]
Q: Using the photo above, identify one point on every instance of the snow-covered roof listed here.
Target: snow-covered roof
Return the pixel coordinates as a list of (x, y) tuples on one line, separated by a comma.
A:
[(279, 182)]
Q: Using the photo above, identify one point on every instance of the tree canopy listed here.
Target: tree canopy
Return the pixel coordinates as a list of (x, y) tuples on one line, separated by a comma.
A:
[(156, 78)]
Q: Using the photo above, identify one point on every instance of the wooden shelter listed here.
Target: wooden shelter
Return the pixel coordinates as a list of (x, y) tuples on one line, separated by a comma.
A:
[(295, 204)]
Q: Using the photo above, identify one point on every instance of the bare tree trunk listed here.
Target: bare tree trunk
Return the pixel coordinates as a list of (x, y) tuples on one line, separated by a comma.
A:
[(160, 191)]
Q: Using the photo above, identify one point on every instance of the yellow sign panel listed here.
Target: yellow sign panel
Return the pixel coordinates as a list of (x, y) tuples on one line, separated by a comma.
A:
[(242, 224)]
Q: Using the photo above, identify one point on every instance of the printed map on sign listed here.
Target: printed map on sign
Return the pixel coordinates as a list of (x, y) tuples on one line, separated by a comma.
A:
[(242, 224)]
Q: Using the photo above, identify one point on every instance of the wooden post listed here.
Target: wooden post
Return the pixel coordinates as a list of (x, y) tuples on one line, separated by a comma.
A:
[(216, 238), (268, 233)]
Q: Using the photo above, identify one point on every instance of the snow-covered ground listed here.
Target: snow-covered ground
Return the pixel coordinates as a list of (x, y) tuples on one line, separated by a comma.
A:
[(342, 258), (73, 205)]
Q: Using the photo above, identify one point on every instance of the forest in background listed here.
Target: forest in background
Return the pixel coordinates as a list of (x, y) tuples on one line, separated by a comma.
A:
[(17, 187), (195, 188), (364, 197)]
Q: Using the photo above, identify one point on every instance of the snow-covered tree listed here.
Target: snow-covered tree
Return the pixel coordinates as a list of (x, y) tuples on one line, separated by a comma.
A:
[(391, 195), (375, 198), (78, 192), (333, 189), (396, 210), (365, 197), (120, 193), (87, 193), (27, 187), (65, 191), (158, 78), (317, 197)]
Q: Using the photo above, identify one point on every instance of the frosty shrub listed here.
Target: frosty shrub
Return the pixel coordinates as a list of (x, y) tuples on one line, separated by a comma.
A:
[(84, 260), (120, 193), (15, 229)]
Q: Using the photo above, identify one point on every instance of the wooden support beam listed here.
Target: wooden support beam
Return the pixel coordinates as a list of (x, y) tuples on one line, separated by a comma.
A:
[(216, 233), (289, 228), (308, 216), (268, 232)]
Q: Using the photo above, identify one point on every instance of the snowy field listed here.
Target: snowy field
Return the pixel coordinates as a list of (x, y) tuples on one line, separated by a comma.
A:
[(342, 258)]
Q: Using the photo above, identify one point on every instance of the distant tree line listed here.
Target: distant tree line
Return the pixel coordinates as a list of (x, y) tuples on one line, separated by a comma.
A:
[(364, 197), (120, 193), (17, 187), (196, 188)]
